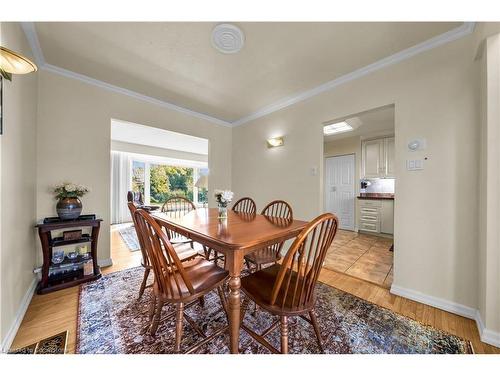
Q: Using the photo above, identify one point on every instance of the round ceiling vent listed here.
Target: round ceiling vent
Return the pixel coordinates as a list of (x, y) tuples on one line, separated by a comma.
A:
[(227, 38)]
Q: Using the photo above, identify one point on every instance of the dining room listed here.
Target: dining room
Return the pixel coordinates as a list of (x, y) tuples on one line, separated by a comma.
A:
[(177, 196)]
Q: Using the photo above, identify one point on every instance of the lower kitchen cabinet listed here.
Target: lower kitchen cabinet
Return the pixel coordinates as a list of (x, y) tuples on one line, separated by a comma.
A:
[(376, 216)]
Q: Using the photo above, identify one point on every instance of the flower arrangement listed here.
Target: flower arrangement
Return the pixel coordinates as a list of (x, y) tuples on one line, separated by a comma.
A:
[(69, 190), (223, 197)]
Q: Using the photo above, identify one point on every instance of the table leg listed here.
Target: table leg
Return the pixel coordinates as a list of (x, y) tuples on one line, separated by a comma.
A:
[(234, 264), (234, 313)]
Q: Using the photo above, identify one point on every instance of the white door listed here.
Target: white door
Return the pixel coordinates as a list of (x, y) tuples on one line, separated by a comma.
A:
[(339, 189)]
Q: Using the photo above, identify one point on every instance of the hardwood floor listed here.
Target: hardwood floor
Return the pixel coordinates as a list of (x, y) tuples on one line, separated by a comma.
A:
[(55, 312)]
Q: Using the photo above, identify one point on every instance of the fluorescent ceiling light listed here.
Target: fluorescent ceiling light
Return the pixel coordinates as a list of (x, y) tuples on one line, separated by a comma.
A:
[(339, 127)]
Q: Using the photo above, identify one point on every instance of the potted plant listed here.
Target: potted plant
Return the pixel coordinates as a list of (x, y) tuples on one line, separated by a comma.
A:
[(69, 205), (223, 198)]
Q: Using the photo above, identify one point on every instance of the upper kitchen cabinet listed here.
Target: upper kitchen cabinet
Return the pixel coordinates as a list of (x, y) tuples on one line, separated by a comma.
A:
[(378, 158)]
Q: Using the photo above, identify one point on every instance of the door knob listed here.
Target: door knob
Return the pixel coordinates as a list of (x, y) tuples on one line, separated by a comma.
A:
[(333, 189)]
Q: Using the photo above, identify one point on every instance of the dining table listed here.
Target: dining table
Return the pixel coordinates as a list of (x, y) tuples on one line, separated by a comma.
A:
[(234, 236)]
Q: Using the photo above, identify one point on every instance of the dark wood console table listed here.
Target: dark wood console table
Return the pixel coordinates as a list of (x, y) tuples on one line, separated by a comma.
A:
[(45, 228)]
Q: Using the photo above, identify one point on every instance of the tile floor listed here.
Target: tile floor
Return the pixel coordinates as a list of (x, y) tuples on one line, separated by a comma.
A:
[(363, 256)]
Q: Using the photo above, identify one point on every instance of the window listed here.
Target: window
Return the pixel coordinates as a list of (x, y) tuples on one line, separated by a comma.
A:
[(138, 176), (160, 181)]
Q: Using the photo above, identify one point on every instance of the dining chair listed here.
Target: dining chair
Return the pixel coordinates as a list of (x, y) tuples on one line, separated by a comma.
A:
[(176, 282), (245, 205), (271, 254), (288, 289), (184, 252), (177, 207)]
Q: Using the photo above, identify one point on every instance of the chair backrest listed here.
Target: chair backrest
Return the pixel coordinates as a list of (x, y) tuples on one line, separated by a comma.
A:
[(145, 259), (170, 276), (176, 207), (135, 197), (278, 209), (245, 205), (294, 286)]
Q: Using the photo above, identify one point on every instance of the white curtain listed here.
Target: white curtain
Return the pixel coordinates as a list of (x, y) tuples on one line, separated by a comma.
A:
[(120, 185)]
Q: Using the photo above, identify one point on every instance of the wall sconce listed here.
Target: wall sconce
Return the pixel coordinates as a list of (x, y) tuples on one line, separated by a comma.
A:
[(275, 142), (14, 63)]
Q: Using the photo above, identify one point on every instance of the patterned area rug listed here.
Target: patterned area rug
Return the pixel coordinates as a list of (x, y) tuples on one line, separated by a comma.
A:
[(111, 318), (51, 345), (130, 237)]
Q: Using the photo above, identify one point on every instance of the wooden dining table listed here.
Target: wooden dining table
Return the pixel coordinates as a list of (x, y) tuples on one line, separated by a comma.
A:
[(235, 236)]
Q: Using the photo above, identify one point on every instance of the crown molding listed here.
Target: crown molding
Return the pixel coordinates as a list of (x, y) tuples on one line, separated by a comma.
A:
[(133, 94), (463, 30), (31, 35)]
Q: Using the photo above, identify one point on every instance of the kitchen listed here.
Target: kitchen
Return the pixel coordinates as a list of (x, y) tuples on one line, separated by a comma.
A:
[(359, 188)]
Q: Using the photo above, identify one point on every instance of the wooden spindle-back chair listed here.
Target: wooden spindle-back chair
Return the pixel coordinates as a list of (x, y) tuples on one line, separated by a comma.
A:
[(288, 289), (184, 253), (177, 282), (177, 207), (271, 254), (145, 259), (245, 205)]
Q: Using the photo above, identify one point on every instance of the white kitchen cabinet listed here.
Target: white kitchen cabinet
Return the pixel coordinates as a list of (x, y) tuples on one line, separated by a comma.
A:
[(387, 217), (389, 150), (377, 158), (376, 216)]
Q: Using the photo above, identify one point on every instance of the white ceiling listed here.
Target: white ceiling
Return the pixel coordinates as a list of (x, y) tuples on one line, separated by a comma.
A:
[(373, 123), (176, 63), (148, 136)]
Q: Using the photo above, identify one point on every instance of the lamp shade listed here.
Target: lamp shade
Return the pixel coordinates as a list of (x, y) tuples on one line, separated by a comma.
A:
[(12, 62), (202, 182)]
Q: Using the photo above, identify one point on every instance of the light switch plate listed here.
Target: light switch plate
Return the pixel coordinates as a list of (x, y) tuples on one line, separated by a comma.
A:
[(415, 165)]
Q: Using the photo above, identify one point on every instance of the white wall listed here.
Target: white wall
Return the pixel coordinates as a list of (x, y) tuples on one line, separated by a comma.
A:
[(489, 202), (136, 148), (434, 97), (73, 142), (17, 204)]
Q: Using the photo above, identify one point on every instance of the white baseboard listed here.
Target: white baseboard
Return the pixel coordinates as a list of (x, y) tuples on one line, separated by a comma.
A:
[(105, 262), (453, 307), (487, 335), (25, 302)]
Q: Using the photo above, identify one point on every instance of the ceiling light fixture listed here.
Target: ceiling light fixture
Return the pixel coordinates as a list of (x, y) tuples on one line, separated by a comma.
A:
[(227, 38), (338, 127), (14, 63)]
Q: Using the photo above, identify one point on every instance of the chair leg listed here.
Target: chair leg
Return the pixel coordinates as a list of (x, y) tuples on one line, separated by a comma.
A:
[(284, 335), (178, 326), (201, 301), (156, 319), (314, 322), (144, 282)]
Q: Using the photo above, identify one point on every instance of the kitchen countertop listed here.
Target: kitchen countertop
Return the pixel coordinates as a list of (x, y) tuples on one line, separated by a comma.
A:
[(376, 196)]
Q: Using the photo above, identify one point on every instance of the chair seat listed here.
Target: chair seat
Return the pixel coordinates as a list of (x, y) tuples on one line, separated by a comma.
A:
[(258, 286), (185, 251), (180, 239), (263, 256), (204, 276)]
